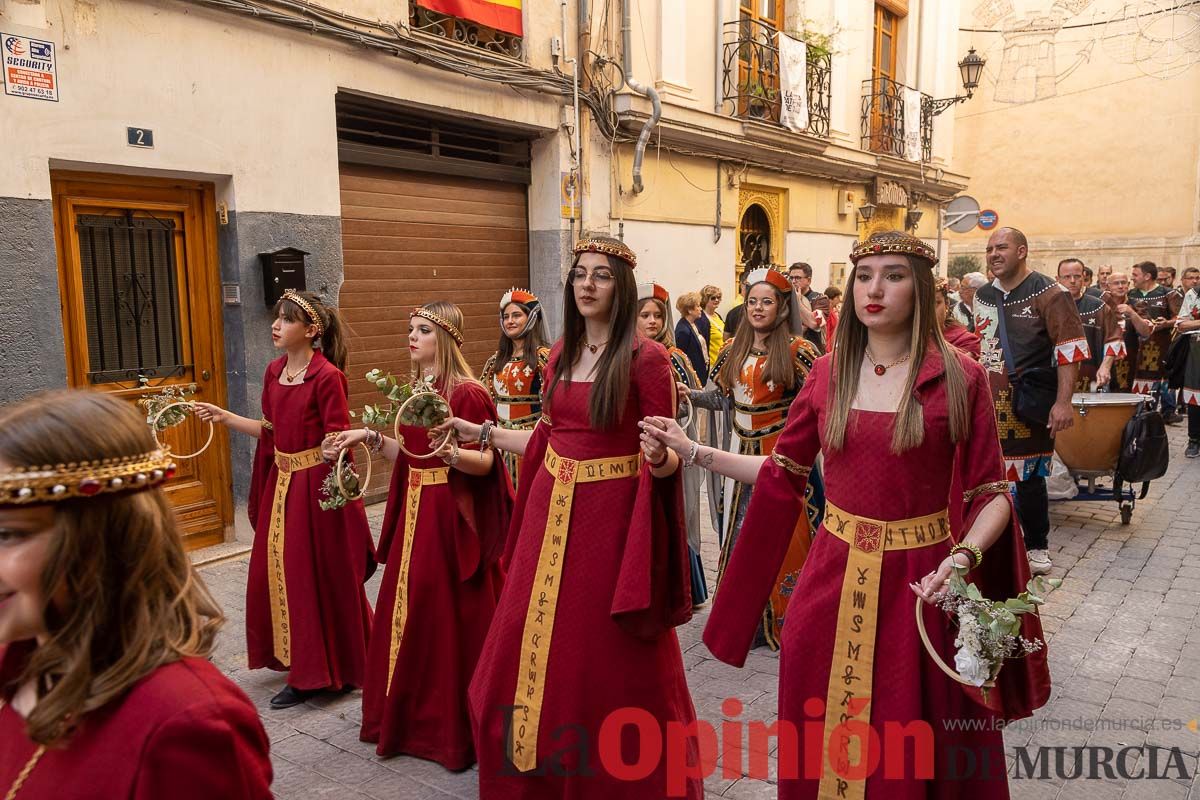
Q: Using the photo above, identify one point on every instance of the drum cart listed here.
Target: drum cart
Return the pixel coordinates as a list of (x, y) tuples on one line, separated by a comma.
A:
[(1089, 449)]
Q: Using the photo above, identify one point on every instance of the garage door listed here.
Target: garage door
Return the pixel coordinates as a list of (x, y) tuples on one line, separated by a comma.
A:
[(413, 237)]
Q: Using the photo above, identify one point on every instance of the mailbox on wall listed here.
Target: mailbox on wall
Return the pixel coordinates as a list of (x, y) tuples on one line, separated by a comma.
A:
[(283, 269)]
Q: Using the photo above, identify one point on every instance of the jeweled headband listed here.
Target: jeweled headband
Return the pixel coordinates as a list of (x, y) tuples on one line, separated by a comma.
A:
[(894, 242), (769, 275), (441, 322), (307, 308), (54, 482), (515, 295), (609, 247)]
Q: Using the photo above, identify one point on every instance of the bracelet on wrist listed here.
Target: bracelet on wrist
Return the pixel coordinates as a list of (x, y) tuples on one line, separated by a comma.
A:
[(971, 550), (660, 464), (693, 451), (485, 436)]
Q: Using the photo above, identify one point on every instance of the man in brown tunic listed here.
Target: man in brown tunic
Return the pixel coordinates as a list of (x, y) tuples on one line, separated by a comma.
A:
[(1100, 327)]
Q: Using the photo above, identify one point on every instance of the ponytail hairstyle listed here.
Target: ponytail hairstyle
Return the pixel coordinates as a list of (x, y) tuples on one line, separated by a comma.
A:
[(331, 340), (851, 345), (450, 367)]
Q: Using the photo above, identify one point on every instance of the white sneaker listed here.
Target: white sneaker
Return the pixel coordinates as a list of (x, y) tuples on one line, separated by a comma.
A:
[(1039, 562)]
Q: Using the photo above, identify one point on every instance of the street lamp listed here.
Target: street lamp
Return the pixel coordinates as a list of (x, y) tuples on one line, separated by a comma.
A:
[(866, 211), (913, 218), (971, 69)]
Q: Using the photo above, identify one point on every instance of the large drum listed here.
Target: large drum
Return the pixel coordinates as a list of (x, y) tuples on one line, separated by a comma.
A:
[(1093, 443)]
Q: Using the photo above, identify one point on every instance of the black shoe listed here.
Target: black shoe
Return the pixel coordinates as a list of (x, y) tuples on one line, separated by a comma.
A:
[(1173, 418), (291, 696), (1193, 449)]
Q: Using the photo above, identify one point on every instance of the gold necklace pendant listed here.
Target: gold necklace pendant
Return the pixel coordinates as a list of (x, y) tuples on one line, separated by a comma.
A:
[(593, 347), (881, 369), (291, 376)]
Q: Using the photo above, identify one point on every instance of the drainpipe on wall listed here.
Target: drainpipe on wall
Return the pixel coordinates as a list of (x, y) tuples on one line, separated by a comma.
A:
[(639, 152)]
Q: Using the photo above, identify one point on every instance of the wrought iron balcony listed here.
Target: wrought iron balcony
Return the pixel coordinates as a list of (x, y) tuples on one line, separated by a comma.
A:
[(884, 126), (751, 76), (464, 31)]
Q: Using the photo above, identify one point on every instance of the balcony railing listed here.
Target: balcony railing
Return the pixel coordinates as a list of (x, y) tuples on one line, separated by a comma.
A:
[(464, 31), (884, 126), (751, 76)]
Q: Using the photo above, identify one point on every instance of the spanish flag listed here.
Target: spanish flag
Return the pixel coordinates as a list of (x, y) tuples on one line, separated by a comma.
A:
[(503, 15)]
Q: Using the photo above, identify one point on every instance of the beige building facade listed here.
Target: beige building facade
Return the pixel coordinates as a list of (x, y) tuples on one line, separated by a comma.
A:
[(1085, 133)]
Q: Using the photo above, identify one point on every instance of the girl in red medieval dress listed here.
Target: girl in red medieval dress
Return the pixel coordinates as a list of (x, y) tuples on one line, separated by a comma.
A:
[(106, 689), (597, 562), (306, 607), (760, 371), (513, 375), (654, 322), (914, 483), (954, 332), (441, 539)]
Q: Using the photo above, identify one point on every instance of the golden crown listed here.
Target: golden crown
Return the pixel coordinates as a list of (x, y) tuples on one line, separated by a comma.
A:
[(893, 242), (441, 322), (308, 309), (51, 483), (610, 247)]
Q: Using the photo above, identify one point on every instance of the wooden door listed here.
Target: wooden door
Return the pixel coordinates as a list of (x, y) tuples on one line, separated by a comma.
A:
[(883, 81), (758, 58), (138, 277), (413, 237)]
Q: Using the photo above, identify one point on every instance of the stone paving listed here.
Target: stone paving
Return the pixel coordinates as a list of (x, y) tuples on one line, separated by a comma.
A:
[(1124, 645)]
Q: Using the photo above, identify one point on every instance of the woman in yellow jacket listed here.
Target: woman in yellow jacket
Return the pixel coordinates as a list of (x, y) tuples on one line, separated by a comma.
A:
[(710, 298)]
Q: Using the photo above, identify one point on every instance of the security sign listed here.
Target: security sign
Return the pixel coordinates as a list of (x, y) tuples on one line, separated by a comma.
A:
[(988, 219), (29, 67)]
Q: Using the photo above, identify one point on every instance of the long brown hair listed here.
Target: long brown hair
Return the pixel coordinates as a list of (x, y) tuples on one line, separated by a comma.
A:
[(850, 348), (614, 370), (533, 339), (332, 340), (666, 336), (779, 368), (450, 366), (134, 600)]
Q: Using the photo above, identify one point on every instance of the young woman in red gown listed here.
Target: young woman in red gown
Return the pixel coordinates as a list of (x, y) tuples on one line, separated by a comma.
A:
[(597, 562), (443, 532), (306, 608), (912, 466), (105, 685)]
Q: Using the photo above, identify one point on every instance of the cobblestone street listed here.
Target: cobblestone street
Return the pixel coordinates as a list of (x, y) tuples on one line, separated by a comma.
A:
[(1124, 646)]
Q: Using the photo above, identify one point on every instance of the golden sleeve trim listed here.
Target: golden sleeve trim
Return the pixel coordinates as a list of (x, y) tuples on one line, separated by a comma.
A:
[(266, 423), (789, 465), (996, 487)]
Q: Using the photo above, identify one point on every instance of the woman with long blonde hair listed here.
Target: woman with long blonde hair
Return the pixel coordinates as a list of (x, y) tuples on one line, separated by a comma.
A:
[(442, 536), (915, 485), (106, 689), (306, 607)]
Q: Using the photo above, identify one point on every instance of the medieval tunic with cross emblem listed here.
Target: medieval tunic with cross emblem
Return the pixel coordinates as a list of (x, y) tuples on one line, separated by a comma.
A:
[(852, 645), (1104, 337), (441, 538), (306, 607), (597, 580), (760, 409), (1160, 307), (1044, 331)]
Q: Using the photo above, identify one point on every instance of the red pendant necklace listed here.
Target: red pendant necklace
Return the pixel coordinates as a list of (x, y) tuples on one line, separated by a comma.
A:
[(881, 369)]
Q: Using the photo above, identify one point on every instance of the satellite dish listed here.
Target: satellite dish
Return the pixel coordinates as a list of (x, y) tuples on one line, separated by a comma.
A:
[(962, 214)]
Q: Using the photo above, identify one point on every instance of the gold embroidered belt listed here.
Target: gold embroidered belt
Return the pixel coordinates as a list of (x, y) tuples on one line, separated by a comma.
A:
[(281, 630), (418, 479), (850, 676), (543, 595)]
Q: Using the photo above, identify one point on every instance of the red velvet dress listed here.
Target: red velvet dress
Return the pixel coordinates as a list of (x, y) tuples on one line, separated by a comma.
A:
[(183, 732), (865, 479), (622, 589), (415, 698), (327, 555), (958, 336)]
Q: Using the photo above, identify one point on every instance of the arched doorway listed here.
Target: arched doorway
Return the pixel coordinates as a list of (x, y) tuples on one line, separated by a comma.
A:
[(761, 227), (754, 238)]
